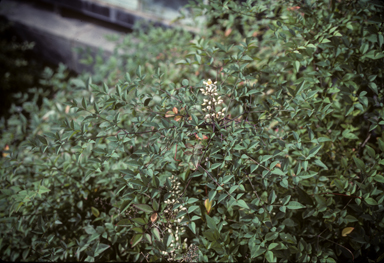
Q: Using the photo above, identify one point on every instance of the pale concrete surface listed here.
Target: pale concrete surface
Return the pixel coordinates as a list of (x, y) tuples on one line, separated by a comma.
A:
[(55, 36)]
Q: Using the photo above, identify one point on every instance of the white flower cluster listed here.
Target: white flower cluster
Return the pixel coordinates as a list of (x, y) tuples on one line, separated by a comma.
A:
[(212, 101), (175, 192), (176, 244)]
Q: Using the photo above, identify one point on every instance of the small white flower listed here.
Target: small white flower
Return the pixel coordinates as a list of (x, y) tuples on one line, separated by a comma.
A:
[(223, 109), (215, 93), (209, 107), (204, 109), (213, 100), (202, 90), (203, 104), (219, 97), (205, 100)]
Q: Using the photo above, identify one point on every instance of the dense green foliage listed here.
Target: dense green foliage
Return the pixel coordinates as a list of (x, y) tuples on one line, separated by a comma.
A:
[(279, 158)]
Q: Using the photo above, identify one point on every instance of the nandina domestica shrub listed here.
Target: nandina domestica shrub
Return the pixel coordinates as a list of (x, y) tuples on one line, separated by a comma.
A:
[(266, 145)]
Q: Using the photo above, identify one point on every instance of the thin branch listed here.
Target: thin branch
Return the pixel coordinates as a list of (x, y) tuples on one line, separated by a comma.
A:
[(353, 257), (257, 162)]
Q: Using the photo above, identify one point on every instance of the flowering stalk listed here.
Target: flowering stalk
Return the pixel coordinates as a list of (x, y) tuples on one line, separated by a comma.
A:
[(212, 102)]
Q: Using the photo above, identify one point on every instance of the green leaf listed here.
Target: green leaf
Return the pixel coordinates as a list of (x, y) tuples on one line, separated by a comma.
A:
[(373, 87), (215, 165), (138, 229), (278, 171), (233, 188), (195, 119), (42, 139), (211, 223), (140, 221), (124, 223), (359, 163), (313, 151), (257, 251), (156, 233), (168, 239), (144, 207), (297, 66), (185, 82), (272, 246), (95, 211), (272, 197), (138, 71), (370, 201), (295, 205), (243, 204), (147, 101), (183, 61), (324, 139), (155, 205), (192, 200), (43, 189), (379, 178), (286, 199), (198, 58), (381, 144), (133, 163), (84, 103), (247, 58), (148, 237), (284, 183), (266, 158), (136, 239), (348, 135), (370, 151), (320, 163), (192, 208), (270, 257), (192, 226), (271, 236), (350, 219), (286, 237)]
